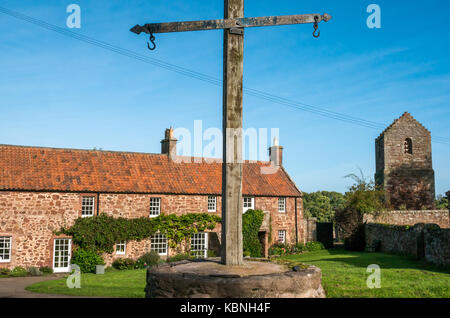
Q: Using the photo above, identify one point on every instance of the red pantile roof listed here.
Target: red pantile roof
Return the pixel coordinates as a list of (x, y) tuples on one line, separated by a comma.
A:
[(72, 170)]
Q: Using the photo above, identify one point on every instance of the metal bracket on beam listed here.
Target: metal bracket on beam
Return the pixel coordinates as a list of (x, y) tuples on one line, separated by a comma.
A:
[(238, 31)]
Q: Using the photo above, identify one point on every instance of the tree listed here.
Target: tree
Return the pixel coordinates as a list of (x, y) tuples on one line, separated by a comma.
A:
[(441, 202), (322, 204), (363, 197)]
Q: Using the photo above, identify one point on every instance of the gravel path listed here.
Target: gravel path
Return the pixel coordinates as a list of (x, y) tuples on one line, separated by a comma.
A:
[(14, 287)]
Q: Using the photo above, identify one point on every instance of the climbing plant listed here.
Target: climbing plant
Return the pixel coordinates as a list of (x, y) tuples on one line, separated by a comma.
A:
[(251, 223), (100, 233)]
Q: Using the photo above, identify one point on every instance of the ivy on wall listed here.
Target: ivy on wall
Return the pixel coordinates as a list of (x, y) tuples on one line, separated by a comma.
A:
[(100, 233), (251, 223)]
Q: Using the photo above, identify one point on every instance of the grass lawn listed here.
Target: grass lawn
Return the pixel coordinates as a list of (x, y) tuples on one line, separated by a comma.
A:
[(124, 283), (344, 274)]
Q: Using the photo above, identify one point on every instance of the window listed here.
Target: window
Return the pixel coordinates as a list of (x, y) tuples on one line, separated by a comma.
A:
[(5, 248), (87, 206), (282, 236), (407, 146), (155, 207), (211, 204), (282, 205), (248, 203), (61, 255), (158, 243), (199, 245), (121, 247)]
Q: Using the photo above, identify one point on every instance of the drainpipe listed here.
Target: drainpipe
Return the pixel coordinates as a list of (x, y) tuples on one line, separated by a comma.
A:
[(296, 223), (98, 202)]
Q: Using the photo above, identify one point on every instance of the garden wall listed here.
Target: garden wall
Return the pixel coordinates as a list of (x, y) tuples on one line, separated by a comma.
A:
[(310, 229), (410, 217), (427, 241)]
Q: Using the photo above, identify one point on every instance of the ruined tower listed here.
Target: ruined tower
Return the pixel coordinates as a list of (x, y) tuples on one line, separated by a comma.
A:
[(403, 164)]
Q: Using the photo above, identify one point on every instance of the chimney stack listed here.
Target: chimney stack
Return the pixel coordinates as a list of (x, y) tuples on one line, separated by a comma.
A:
[(276, 153), (169, 144)]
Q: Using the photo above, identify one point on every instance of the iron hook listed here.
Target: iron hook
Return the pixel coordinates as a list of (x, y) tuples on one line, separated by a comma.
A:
[(152, 39), (316, 26)]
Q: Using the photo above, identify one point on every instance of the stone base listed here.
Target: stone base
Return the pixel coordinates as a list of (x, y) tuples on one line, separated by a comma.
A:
[(253, 279)]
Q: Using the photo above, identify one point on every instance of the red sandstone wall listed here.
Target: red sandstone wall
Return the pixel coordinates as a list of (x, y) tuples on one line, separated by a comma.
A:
[(30, 218)]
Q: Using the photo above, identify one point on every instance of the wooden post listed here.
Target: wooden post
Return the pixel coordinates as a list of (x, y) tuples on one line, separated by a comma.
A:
[(233, 58)]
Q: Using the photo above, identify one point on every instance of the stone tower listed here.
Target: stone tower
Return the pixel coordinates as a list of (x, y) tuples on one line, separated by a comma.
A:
[(404, 166)]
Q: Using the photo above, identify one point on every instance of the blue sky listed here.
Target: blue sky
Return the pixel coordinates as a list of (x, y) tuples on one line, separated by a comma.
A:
[(59, 92)]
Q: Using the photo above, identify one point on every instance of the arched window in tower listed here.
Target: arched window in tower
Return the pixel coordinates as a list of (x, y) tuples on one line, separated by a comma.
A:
[(408, 146)]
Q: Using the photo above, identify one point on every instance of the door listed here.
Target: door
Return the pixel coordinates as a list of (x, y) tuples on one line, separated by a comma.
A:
[(61, 255)]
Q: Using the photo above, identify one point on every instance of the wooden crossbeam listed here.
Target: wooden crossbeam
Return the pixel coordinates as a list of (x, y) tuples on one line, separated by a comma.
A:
[(228, 23)]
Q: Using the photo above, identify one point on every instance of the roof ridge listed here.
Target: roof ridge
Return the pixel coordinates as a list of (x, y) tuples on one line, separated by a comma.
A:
[(214, 160)]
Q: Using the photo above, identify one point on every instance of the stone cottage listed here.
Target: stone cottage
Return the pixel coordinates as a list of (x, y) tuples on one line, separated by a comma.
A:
[(44, 189)]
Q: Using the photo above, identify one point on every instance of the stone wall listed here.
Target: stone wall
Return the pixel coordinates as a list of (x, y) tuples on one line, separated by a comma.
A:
[(439, 217), (427, 241), (310, 229), (31, 217)]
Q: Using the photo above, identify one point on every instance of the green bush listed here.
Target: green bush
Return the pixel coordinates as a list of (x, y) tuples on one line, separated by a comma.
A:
[(178, 257), (124, 263), (86, 259), (4, 271), (19, 271), (211, 253), (148, 260), (46, 270), (34, 271), (279, 249), (314, 246), (251, 223)]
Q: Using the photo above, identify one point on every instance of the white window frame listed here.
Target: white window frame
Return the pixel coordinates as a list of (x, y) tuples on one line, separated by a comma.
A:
[(199, 245), (5, 240), (155, 207), (282, 236), (245, 204), (212, 203), (87, 202), (121, 248), (282, 205), (69, 256), (157, 245)]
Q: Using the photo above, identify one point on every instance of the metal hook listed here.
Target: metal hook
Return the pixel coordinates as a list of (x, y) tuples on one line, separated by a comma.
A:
[(316, 26), (152, 39)]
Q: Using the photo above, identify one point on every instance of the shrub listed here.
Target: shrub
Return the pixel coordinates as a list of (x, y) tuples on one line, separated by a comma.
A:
[(34, 271), (46, 270), (178, 257), (19, 271), (4, 271), (251, 223), (148, 260), (314, 246), (279, 249), (124, 263), (86, 259), (211, 253)]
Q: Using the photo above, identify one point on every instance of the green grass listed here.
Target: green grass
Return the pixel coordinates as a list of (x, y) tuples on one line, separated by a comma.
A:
[(344, 275), (115, 283)]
